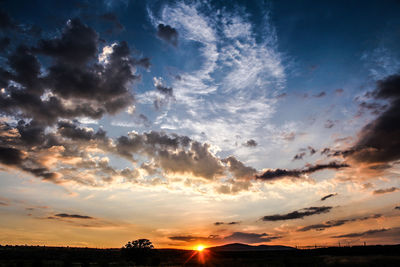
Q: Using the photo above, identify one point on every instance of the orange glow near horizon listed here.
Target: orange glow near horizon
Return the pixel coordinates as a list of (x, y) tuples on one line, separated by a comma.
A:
[(200, 248)]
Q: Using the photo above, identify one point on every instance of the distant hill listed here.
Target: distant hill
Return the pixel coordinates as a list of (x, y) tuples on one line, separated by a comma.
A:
[(245, 247)]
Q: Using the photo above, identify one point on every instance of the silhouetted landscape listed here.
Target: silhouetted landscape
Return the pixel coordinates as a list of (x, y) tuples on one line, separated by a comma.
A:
[(228, 133), (227, 255)]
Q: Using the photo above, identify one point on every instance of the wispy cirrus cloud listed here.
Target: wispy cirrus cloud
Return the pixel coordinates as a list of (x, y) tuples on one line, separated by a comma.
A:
[(215, 106)]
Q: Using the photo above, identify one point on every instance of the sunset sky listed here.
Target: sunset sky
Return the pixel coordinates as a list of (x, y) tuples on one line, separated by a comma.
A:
[(199, 122)]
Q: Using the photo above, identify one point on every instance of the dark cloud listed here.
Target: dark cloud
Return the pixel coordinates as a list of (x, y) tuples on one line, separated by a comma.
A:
[(329, 124), (302, 154), (73, 131), (328, 196), (325, 151), (74, 76), (168, 34), (166, 92), (335, 223), (249, 238), (77, 44), (164, 89), (321, 94), (379, 140), (238, 169), (250, 143), (281, 173), (374, 108), (366, 233), (298, 214), (299, 156), (386, 190), (10, 156), (312, 150), (73, 216), (225, 223)]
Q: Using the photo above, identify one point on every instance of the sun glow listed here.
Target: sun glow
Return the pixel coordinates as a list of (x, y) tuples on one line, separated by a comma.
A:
[(200, 248)]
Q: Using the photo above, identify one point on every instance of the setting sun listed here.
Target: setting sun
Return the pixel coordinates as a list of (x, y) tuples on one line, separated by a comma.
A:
[(200, 248)]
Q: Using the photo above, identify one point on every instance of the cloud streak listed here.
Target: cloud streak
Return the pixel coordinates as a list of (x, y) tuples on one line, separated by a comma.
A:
[(361, 234), (298, 214), (282, 173), (335, 223)]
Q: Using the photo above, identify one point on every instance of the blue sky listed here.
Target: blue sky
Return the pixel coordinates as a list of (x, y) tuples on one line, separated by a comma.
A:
[(253, 108)]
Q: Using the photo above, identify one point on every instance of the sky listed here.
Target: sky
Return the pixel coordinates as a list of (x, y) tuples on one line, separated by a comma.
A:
[(199, 122)]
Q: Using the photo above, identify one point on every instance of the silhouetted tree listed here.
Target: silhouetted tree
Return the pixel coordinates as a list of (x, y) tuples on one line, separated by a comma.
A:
[(143, 244), (139, 251)]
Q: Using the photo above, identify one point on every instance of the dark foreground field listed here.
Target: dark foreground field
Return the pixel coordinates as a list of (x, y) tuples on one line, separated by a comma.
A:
[(65, 256)]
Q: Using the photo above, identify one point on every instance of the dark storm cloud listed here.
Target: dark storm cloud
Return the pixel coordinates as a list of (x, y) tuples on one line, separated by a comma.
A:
[(168, 34), (366, 233), (77, 44), (335, 223), (280, 173), (250, 143), (73, 131), (379, 140), (250, 238), (10, 156), (386, 190), (298, 214), (73, 216), (92, 89), (328, 196)]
